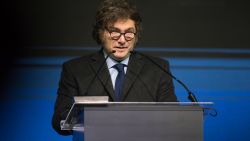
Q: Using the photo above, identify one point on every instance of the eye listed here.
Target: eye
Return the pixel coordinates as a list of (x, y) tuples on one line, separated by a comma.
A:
[(130, 34), (115, 35)]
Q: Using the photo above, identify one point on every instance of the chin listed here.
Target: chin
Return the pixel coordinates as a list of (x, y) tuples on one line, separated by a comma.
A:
[(120, 57), (119, 54)]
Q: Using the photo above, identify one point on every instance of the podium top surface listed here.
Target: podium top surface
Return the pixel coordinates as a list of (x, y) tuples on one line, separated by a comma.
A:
[(103, 100)]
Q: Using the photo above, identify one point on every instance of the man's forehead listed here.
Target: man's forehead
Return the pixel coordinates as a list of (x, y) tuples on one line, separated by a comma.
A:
[(123, 24)]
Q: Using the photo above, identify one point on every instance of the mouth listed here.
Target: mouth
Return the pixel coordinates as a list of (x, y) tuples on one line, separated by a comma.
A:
[(120, 48), (121, 52)]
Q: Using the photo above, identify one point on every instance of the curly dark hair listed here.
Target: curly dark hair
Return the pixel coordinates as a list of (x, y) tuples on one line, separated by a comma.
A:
[(112, 10)]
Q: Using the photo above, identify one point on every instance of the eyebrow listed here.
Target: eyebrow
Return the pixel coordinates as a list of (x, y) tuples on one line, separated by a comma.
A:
[(131, 29)]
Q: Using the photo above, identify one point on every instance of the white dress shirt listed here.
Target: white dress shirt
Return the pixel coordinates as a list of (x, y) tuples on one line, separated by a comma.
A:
[(112, 71)]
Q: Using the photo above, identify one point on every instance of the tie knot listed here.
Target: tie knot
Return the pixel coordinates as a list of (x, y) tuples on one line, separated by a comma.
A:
[(119, 67)]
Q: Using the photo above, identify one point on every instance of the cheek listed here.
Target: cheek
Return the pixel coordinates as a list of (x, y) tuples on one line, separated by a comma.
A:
[(133, 43), (108, 44)]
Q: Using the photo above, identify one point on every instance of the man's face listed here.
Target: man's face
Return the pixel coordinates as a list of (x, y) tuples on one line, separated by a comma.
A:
[(122, 44)]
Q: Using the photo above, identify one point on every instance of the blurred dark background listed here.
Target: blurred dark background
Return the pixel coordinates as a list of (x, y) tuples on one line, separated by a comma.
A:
[(167, 23)]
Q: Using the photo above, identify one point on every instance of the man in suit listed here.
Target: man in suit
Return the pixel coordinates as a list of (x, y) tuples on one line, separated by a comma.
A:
[(117, 29)]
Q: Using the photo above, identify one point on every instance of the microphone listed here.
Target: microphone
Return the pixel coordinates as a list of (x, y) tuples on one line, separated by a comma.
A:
[(191, 96), (98, 71)]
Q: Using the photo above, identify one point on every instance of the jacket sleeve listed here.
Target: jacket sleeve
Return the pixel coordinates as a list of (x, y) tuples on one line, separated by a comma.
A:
[(165, 91), (65, 98)]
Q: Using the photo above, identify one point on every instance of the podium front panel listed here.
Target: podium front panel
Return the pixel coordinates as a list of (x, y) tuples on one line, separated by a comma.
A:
[(143, 123)]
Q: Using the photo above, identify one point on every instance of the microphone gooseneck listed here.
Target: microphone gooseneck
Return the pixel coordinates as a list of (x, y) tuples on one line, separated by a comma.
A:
[(98, 71), (191, 96)]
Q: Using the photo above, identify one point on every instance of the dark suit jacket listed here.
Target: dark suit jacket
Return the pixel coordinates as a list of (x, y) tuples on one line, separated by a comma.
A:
[(144, 82)]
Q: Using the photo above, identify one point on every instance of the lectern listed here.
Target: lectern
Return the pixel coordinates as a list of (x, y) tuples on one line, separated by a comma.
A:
[(100, 120)]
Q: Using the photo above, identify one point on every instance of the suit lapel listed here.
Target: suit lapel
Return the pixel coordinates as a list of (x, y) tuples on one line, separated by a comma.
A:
[(96, 61), (134, 67)]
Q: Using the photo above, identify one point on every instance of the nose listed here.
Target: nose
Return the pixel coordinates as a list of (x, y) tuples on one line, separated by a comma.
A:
[(122, 40)]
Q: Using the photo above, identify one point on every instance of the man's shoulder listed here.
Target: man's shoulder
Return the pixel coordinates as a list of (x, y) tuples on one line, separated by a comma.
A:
[(153, 59), (159, 59), (81, 60), (77, 60)]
